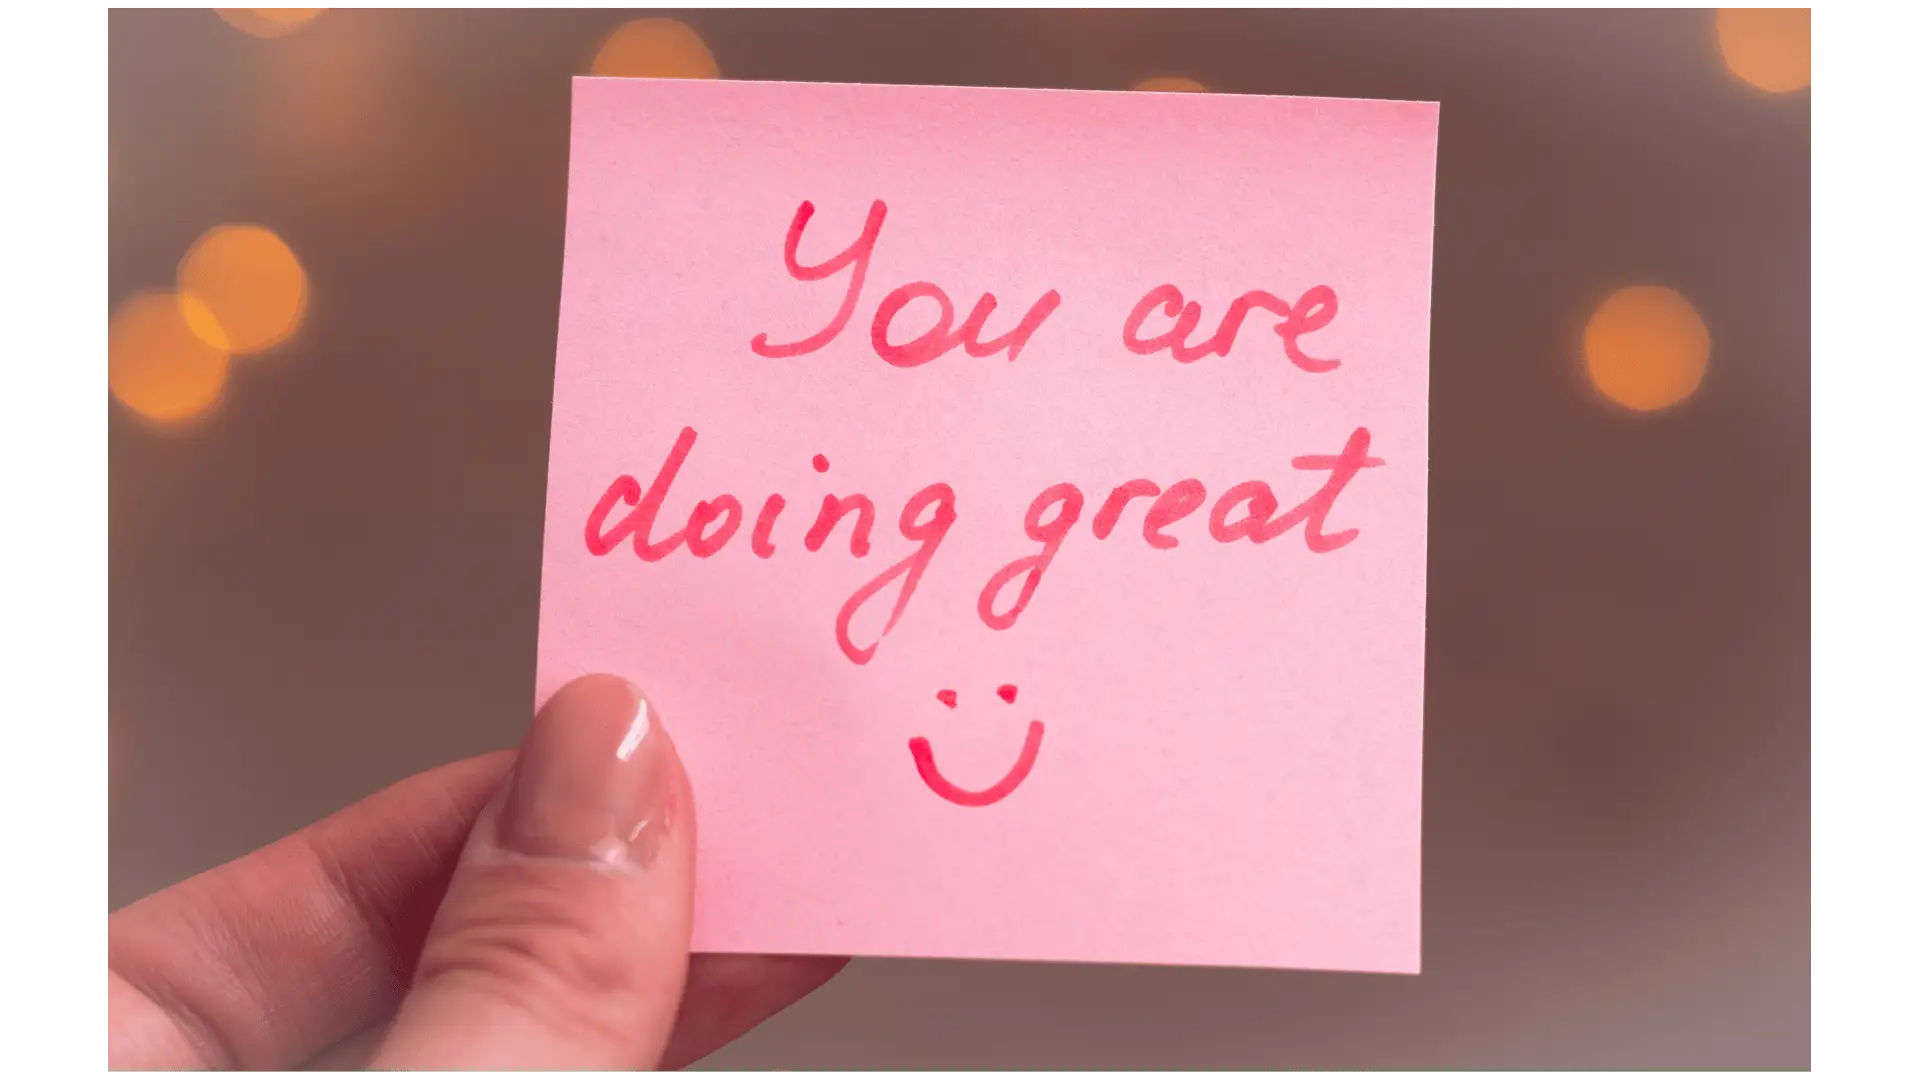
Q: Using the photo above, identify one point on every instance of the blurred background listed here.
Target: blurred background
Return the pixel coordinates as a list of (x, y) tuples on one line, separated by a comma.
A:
[(335, 252)]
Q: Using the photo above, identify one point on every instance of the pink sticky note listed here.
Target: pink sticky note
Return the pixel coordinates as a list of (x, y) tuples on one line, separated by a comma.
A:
[(1177, 725)]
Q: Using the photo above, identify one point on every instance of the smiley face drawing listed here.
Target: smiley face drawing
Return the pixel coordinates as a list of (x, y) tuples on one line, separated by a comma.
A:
[(922, 751)]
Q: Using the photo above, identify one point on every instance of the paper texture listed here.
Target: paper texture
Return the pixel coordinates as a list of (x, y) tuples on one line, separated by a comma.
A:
[(1199, 740)]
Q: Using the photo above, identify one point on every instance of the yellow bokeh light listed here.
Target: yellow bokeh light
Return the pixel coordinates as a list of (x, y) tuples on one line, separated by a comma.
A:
[(1646, 348), (249, 289), (656, 49), (268, 22), (156, 365), (1171, 84), (1772, 48)]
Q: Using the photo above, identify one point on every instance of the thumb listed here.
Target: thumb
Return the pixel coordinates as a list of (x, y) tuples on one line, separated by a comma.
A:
[(562, 940)]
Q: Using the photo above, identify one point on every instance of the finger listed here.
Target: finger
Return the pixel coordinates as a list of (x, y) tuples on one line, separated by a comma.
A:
[(728, 996), (264, 961), (562, 940)]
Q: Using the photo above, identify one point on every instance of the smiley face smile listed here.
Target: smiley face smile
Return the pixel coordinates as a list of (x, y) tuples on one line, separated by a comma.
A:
[(922, 751)]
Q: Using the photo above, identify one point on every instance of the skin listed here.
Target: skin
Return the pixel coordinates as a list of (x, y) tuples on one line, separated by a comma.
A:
[(420, 915)]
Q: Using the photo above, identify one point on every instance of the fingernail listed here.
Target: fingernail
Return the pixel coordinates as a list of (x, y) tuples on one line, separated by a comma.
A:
[(594, 780)]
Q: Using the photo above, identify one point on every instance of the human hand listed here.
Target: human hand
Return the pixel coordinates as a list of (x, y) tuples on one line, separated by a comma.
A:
[(505, 912)]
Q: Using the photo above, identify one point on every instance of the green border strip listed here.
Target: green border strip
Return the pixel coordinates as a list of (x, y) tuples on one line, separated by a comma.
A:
[(54, 68)]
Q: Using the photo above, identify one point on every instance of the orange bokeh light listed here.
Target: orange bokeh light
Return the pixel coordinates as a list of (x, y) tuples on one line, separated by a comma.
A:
[(157, 365), (1772, 48), (1647, 348), (1171, 84), (251, 291), (268, 22), (655, 49)]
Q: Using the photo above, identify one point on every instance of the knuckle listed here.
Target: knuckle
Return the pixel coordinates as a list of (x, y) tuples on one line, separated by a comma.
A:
[(541, 943)]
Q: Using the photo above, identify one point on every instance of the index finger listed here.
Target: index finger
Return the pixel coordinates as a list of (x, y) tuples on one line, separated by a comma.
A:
[(267, 960)]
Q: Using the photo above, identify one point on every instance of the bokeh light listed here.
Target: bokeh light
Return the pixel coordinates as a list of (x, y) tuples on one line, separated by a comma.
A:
[(331, 123), (657, 49), (1772, 48), (250, 290), (268, 22), (1646, 348), (1174, 84), (157, 365)]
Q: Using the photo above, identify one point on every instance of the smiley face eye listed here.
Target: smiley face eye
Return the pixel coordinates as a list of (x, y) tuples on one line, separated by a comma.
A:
[(951, 700)]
